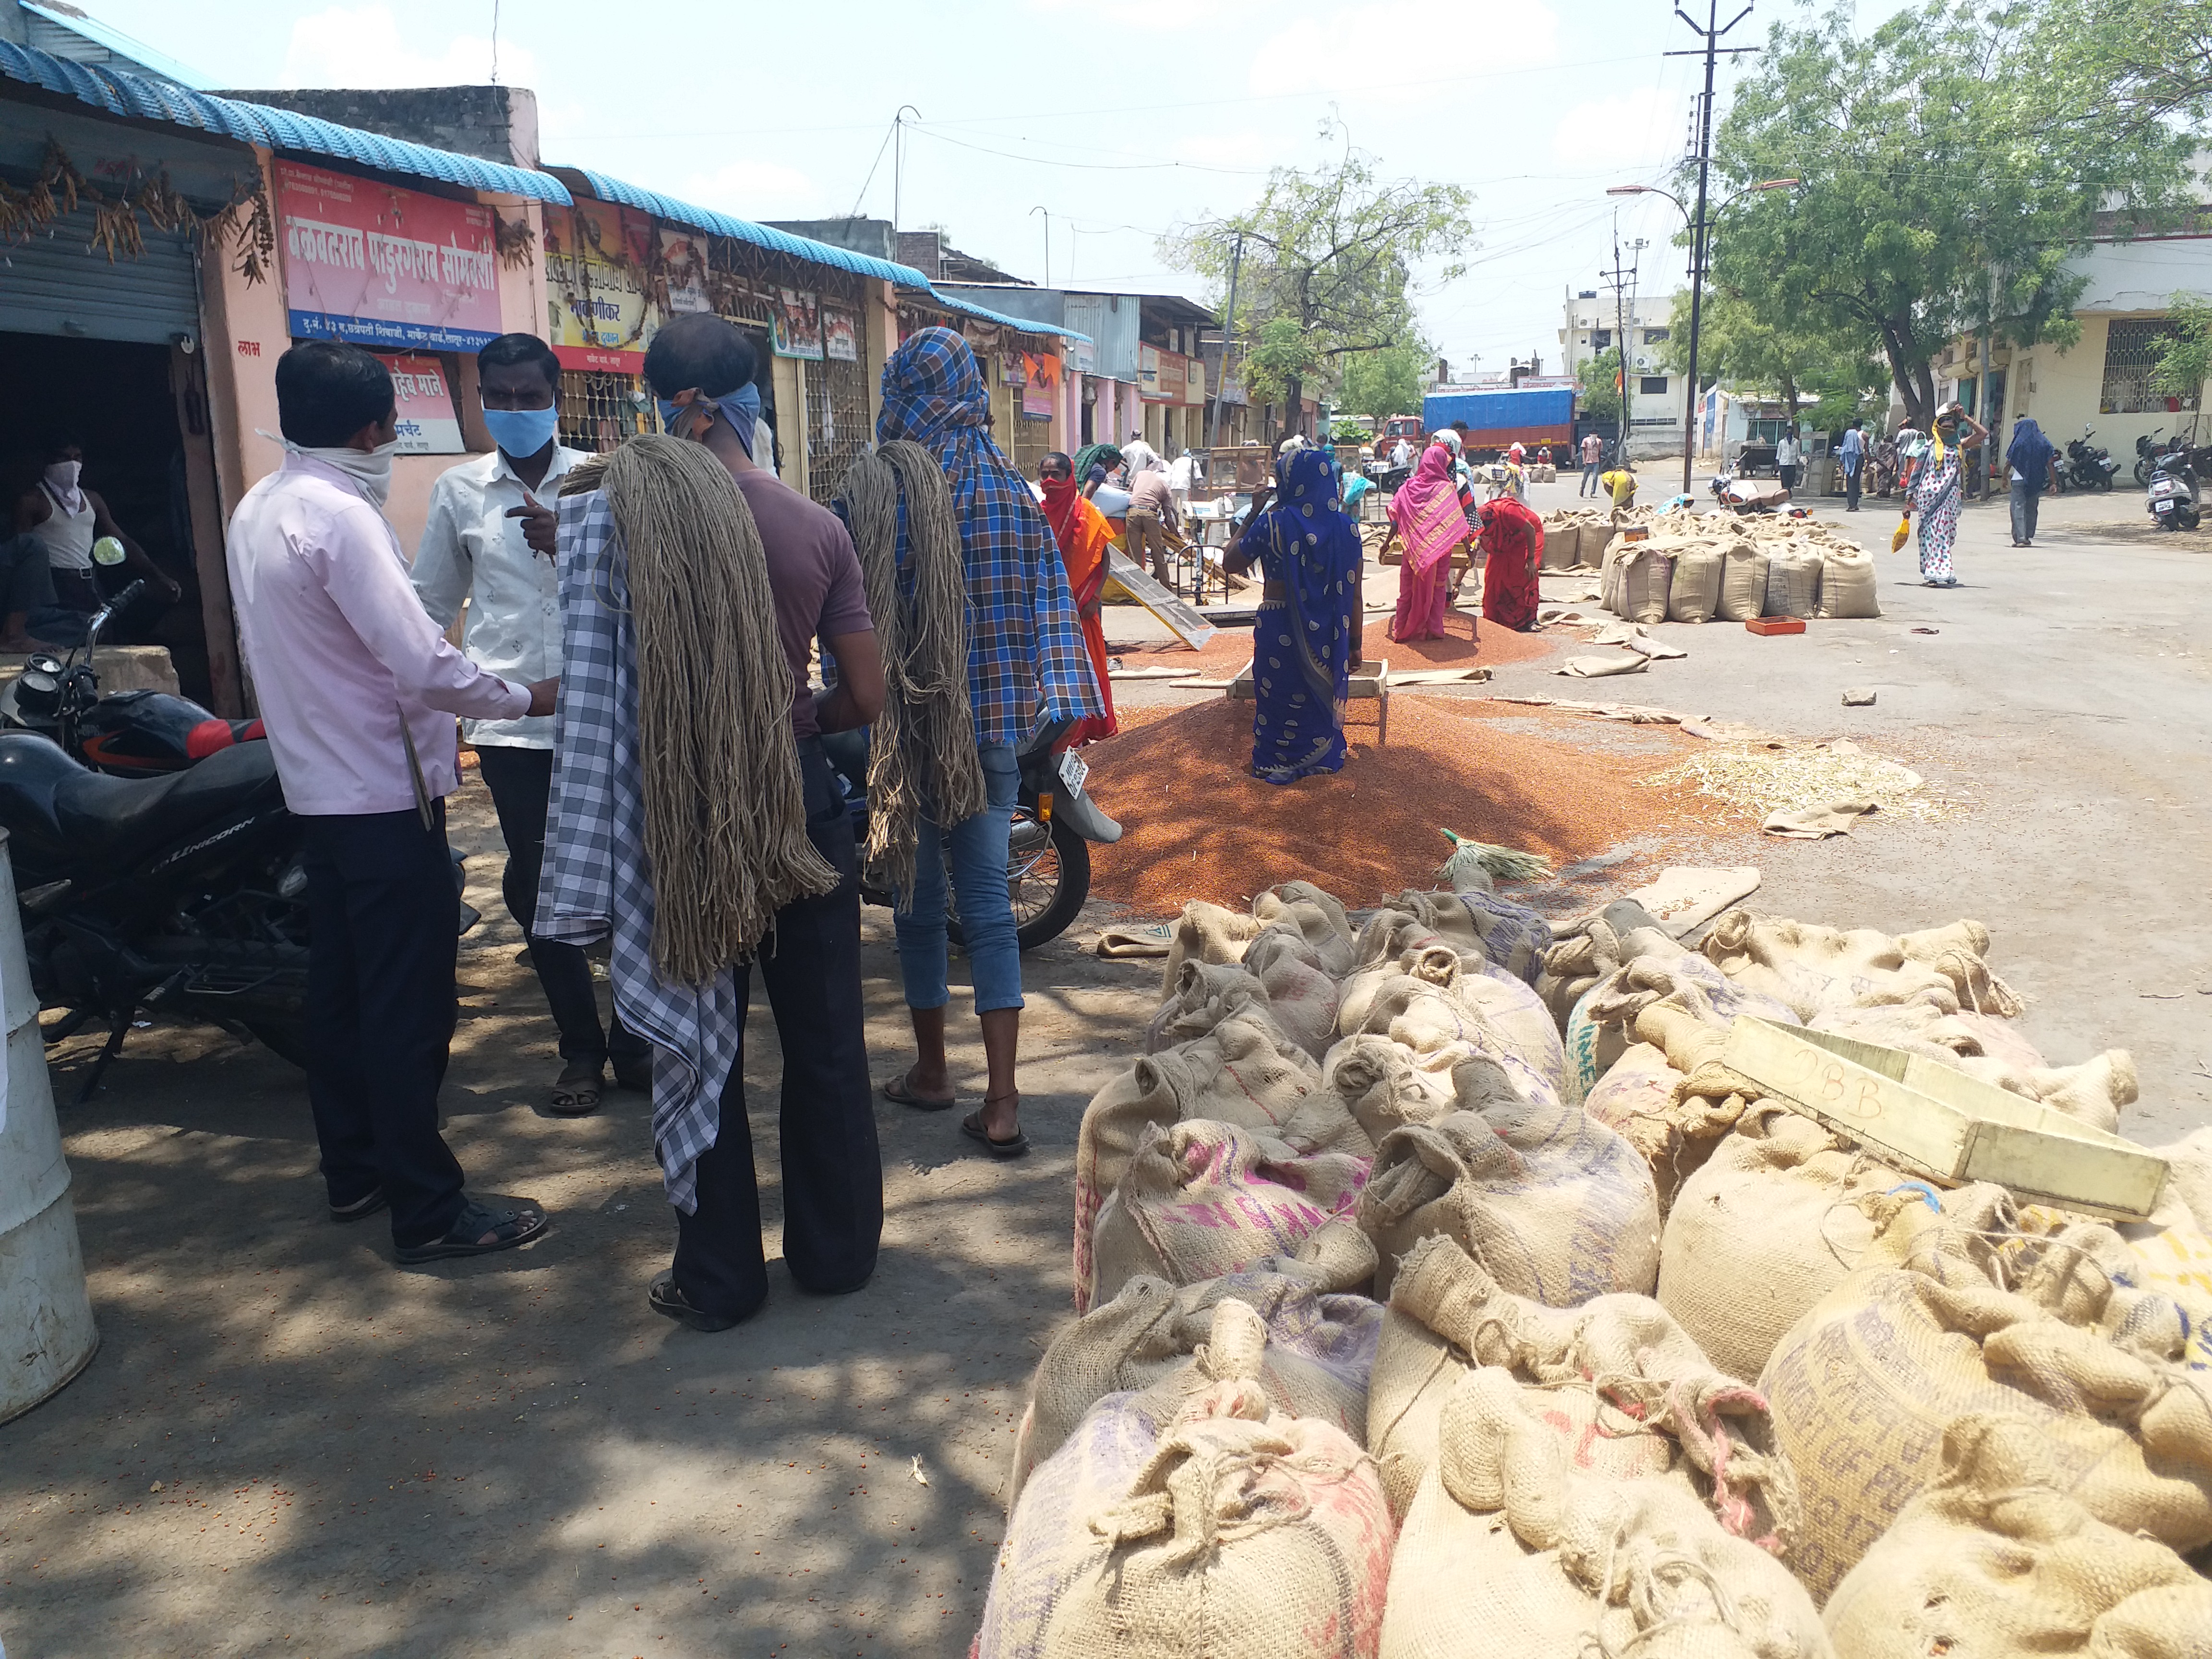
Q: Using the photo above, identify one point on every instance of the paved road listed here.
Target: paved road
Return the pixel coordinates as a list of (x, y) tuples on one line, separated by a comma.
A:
[(515, 1457)]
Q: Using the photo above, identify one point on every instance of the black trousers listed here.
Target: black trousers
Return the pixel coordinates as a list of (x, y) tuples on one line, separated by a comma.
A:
[(383, 923), (1851, 488), (833, 1173), (521, 784), (1789, 477)]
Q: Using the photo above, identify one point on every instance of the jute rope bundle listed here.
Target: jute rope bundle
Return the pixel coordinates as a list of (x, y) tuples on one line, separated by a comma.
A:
[(922, 756), (724, 804)]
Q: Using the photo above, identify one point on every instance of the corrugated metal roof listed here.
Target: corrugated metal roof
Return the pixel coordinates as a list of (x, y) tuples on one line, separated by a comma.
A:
[(1023, 325), (143, 98), (608, 189), (744, 230)]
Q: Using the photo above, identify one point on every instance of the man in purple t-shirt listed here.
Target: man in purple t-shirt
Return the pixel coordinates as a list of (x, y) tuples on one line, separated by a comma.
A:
[(701, 368)]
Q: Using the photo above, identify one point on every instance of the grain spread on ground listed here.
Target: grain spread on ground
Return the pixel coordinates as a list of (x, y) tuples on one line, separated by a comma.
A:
[(1195, 824)]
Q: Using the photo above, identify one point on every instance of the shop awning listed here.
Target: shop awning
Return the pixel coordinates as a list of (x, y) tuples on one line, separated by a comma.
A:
[(676, 212), (141, 98)]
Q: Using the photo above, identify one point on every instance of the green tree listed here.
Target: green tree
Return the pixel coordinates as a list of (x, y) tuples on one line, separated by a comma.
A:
[(1601, 386), (1952, 164), (1828, 374), (1390, 381), (2186, 363), (1325, 275)]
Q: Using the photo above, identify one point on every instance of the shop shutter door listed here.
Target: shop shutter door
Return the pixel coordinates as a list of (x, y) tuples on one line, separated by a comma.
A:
[(58, 284)]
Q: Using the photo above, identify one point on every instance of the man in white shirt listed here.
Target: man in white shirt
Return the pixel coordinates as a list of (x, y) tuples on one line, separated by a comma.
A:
[(477, 546), (1785, 459), (1401, 454), (358, 692)]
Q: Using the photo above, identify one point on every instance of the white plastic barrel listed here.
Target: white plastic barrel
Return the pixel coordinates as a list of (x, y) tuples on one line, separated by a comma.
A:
[(46, 1333)]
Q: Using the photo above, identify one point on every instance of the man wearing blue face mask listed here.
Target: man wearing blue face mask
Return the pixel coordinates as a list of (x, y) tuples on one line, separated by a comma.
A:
[(489, 540)]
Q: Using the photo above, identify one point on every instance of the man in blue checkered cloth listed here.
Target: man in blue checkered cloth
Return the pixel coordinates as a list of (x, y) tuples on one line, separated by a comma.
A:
[(1026, 663)]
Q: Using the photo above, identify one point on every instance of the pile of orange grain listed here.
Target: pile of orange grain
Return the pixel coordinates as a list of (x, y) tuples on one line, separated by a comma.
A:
[(1197, 824), (1231, 648)]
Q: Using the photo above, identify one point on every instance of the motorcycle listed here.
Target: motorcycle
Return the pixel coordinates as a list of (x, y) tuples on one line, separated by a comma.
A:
[(1748, 497), (2150, 454), (1055, 823), (128, 734), (2087, 466), (2171, 498)]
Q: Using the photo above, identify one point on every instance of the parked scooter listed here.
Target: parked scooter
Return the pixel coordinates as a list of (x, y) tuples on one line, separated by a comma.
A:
[(128, 734), (2150, 454), (1048, 855), (2171, 497)]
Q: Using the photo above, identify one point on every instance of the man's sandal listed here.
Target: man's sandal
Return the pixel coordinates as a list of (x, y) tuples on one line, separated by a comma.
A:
[(576, 1091), (484, 1226)]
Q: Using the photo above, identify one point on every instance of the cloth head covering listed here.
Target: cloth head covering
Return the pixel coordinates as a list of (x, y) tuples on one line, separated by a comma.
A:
[(1449, 439), (1025, 655), (1426, 510), (2030, 451), (740, 408), (1092, 455)]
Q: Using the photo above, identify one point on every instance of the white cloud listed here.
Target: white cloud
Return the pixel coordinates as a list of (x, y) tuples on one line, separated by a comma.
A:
[(754, 190), (1379, 47), (1633, 131), (364, 47)]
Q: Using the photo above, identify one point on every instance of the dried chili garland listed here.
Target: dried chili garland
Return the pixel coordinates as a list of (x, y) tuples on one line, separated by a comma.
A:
[(61, 188)]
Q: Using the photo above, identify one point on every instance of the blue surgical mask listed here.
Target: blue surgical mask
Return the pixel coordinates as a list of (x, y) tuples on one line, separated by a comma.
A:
[(523, 432)]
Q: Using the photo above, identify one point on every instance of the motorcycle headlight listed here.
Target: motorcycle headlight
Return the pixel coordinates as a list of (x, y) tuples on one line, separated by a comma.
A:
[(38, 690)]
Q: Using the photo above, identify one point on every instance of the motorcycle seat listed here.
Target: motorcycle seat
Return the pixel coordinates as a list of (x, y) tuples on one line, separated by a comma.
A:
[(76, 816)]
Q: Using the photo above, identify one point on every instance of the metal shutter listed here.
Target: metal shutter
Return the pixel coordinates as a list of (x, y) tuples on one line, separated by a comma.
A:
[(57, 283)]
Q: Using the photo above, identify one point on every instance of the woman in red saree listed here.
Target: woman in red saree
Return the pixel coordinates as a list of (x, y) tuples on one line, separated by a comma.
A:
[(1513, 537), (1083, 537), (1429, 514)]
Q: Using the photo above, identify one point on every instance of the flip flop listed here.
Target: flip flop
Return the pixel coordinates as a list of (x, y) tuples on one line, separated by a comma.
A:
[(360, 1209), (899, 1094), (972, 1126), (510, 1221), (667, 1300)]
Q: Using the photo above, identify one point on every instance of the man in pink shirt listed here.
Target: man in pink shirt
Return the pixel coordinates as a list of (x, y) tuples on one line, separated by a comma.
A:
[(358, 692)]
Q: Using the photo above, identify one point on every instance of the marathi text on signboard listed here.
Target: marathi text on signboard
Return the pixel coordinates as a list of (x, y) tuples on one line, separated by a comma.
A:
[(596, 258), (427, 423), (384, 266), (840, 336)]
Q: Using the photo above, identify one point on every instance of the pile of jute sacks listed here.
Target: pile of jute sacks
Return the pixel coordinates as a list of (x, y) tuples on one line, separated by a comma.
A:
[(1713, 567), (1442, 1293)]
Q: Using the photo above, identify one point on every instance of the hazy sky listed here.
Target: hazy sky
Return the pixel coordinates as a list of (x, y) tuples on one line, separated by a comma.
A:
[(1119, 122)]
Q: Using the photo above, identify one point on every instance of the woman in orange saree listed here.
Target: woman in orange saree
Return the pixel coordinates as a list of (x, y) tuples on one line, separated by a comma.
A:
[(1084, 537)]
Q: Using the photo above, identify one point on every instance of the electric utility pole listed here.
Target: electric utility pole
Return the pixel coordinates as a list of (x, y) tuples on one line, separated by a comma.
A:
[(1622, 279), (1228, 331), (1711, 34)]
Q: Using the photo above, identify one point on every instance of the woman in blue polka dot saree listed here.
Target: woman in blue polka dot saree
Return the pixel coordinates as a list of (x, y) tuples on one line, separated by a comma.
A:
[(1304, 642)]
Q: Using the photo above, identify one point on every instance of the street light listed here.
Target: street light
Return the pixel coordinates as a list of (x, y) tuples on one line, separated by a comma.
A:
[(1700, 235), (1048, 243)]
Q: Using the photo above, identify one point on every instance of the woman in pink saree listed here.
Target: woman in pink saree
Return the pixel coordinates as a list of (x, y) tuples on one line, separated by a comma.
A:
[(1429, 515)]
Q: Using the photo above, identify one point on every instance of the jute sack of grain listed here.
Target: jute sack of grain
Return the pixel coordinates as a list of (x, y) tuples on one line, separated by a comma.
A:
[(1769, 1224), (1315, 914), (1810, 968), (2166, 1257), (2189, 1174), (1203, 1199), (1208, 933), (1847, 583), (1320, 1353), (1213, 1516), (1247, 1071), (1590, 1048), (1499, 1019), (1993, 1560), (1594, 947), (1616, 1376), (1302, 993), (1386, 1085), (1562, 543), (1743, 582), (1202, 996), (1555, 1204), (1673, 1128), (1600, 540), (1604, 1022), (1793, 582), (1506, 934), (1694, 594), (1508, 1549), (1647, 573), (1922, 1333)]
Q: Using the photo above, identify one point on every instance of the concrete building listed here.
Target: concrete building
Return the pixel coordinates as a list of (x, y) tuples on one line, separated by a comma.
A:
[(1657, 399)]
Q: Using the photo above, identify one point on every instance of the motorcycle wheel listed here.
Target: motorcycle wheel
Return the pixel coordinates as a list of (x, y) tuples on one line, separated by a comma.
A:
[(1048, 887), (2143, 474)]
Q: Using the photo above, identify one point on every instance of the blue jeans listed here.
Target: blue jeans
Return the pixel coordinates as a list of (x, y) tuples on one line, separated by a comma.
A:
[(978, 850), (1589, 485)]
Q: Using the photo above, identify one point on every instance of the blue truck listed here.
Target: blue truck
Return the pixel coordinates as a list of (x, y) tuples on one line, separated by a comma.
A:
[(1498, 417)]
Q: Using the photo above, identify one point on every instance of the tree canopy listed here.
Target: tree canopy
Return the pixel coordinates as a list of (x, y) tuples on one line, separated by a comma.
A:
[(1390, 381), (1325, 277), (1952, 164), (1600, 384), (1827, 372)]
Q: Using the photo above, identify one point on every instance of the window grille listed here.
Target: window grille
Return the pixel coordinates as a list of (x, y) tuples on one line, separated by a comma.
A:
[(1654, 335), (1653, 385), (2132, 349), (596, 411), (838, 423)]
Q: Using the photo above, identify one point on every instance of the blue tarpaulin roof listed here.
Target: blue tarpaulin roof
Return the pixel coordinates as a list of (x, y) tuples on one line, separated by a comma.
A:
[(142, 98), (799, 248)]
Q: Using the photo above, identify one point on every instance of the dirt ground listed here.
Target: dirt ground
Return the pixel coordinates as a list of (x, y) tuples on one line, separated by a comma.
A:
[(286, 1446)]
